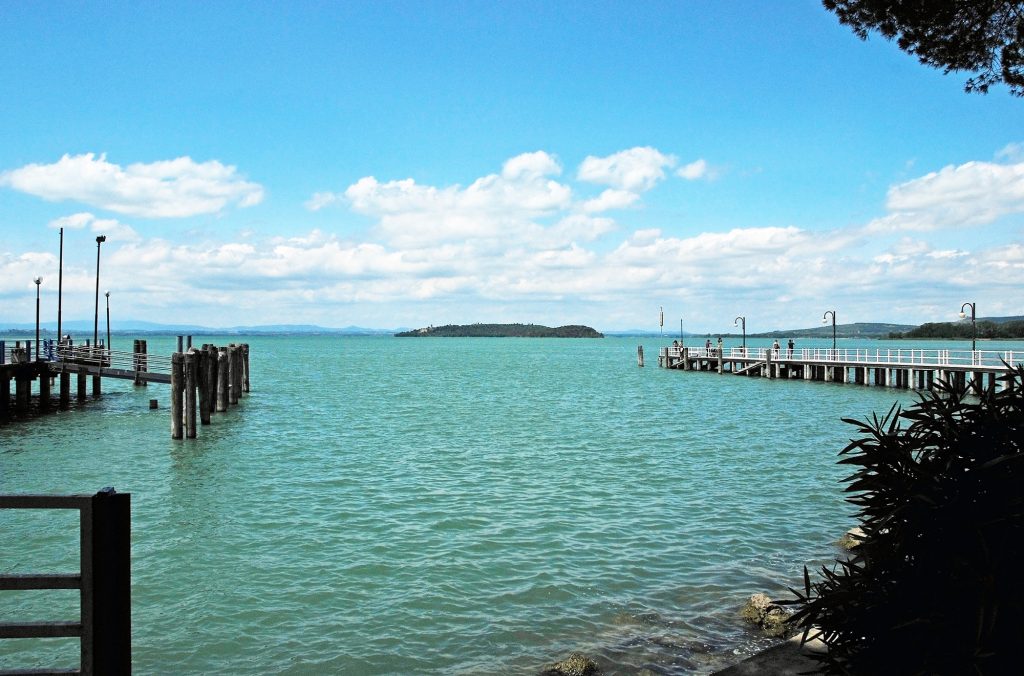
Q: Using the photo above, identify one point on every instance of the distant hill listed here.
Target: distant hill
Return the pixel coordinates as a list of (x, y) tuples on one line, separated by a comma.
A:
[(856, 330), (501, 331)]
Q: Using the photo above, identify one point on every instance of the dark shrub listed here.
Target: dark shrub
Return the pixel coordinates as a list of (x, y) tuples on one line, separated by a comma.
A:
[(937, 586)]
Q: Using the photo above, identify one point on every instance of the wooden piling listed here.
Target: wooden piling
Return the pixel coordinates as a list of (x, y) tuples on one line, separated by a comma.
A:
[(177, 390), (22, 393), (245, 367), (5, 395), (82, 383), (191, 378), (222, 380), (234, 375), (211, 376), (640, 355), (686, 358), (203, 383), (96, 380), (768, 364), (44, 390)]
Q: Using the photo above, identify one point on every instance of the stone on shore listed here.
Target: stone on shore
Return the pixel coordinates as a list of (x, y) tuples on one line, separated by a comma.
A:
[(576, 664), (851, 539), (770, 617)]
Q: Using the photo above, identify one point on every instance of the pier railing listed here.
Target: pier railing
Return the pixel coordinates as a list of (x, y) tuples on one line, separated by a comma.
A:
[(90, 355), (991, 359), (103, 581)]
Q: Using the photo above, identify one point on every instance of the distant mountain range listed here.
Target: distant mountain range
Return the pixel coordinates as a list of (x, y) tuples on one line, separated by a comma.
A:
[(136, 327)]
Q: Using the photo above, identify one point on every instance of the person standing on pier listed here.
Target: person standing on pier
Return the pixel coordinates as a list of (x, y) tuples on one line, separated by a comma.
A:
[(776, 348), (789, 346)]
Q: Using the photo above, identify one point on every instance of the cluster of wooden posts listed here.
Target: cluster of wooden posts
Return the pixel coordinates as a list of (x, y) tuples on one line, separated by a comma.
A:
[(209, 379)]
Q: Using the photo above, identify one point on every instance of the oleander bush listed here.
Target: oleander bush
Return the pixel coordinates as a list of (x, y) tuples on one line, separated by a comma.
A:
[(937, 586)]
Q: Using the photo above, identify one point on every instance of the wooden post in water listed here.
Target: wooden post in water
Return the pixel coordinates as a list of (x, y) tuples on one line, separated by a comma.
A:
[(203, 382), (44, 389), (177, 390), (5, 395), (640, 355), (222, 379), (768, 364), (245, 367), (211, 377), (83, 384), (22, 393), (65, 389), (686, 358), (191, 381)]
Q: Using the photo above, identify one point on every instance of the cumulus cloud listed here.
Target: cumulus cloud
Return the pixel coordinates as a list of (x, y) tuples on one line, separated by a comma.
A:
[(319, 200), (973, 193), (694, 170), (164, 189), (497, 205), (637, 169), (112, 228)]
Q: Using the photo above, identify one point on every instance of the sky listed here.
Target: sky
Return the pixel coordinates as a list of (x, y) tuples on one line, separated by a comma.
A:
[(402, 164)]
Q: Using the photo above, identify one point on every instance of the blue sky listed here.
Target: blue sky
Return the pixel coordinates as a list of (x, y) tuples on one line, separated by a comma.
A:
[(412, 163)]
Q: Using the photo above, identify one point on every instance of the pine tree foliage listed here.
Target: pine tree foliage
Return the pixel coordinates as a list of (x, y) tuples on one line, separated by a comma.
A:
[(985, 37)]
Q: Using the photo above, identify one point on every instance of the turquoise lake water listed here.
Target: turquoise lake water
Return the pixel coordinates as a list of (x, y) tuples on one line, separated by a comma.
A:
[(442, 506)]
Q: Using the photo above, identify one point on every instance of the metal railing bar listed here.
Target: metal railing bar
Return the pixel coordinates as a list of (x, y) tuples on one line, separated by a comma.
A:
[(40, 629), (40, 581)]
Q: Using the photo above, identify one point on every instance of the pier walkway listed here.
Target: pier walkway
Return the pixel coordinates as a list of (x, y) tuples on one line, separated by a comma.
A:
[(906, 368)]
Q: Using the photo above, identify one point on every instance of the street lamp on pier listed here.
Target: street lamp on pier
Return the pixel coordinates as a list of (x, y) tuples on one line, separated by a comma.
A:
[(974, 322), (107, 294), (742, 320), (38, 281), (680, 332), (100, 239), (824, 320)]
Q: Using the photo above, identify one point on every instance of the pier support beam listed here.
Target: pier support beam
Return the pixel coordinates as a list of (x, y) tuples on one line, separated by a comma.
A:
[(22, 394), (5, 394), (96, 386), (203, 383), (686, 358), (245, 367), (82, 382)]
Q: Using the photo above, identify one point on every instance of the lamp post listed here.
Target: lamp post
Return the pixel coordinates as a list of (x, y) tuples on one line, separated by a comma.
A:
[(744, 321), (96, 316), (824, 320), (680, 332), (107, 294), (38, 281), (974, 323), (661, 319)]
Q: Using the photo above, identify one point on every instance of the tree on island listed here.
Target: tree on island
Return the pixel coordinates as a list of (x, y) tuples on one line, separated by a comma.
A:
[(985, 37)]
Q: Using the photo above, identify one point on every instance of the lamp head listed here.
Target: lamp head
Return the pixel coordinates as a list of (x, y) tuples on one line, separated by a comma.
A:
[(38, 280), (101, 238), (963, 315), (107, 294), (824, 321)]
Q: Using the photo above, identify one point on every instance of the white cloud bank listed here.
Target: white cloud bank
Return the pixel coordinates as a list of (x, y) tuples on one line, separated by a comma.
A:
[(521, 245), (165, 189)]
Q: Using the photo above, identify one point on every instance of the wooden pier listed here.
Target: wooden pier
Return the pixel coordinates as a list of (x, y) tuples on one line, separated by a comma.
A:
[(209, 379), (911, 368)]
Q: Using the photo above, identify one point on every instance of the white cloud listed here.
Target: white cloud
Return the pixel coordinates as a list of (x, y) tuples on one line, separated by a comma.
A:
[(165, 189), (974, 193), (637, 169), (319, 200), (494, 206), (610, 199), (694, 170), (112, 228)]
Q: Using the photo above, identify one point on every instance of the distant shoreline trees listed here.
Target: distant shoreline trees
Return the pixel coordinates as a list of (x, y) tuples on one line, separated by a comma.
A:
[(502, 331), (987, 330)]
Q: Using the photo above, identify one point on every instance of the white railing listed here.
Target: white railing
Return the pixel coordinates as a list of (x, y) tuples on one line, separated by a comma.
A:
[(991, 359)]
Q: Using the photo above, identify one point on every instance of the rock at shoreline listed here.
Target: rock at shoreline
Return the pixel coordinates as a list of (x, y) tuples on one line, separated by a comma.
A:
[(851, 539), (576, 664), (771, 618)]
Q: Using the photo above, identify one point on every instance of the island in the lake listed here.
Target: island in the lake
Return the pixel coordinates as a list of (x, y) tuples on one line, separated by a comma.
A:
[(502, 331)]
